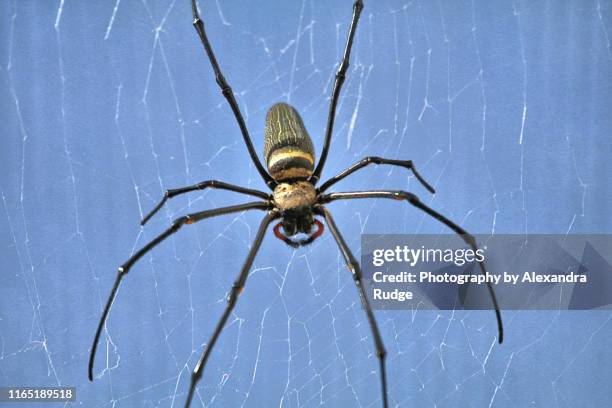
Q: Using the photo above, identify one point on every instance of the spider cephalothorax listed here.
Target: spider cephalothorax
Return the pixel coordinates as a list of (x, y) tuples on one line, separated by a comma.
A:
[(292, 177), (296, 200)]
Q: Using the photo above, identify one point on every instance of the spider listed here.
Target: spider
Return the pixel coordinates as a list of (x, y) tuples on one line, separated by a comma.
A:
[(295, 200)]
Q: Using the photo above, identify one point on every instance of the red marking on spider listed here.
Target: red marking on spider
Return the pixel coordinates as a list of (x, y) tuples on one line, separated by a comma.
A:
[(295, 244)]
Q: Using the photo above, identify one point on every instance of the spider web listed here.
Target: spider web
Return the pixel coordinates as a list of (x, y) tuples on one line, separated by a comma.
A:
[(504, 108)]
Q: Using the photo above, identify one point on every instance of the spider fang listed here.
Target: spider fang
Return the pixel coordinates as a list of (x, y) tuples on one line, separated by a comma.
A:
[(296, 244)]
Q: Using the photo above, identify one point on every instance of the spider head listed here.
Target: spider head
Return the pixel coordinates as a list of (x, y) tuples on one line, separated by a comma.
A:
[(296, 201)]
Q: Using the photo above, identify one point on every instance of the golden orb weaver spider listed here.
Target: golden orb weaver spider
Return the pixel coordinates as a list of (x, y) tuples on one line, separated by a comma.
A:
[(295, 200)]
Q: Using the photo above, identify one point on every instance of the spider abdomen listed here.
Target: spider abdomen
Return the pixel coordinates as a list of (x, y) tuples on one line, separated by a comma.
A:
[(288, 149)]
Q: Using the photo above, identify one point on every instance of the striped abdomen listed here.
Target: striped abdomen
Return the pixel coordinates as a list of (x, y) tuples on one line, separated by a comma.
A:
[(288, 150)]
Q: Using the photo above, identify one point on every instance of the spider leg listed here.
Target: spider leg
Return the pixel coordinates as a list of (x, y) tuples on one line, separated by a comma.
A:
[(232, 298), (414, 200), (355, 269), (125, 268), (376, 160), (201, 186), (340, 76), (229, 95)]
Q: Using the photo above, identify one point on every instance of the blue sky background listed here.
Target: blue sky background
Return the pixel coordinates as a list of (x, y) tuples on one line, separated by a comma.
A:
[(503, 106)]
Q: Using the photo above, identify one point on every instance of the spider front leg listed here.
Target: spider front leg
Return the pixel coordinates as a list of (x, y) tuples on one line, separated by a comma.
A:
[(201, 186), (232, 298), (407, 164), (125, 268), (414, 200), (229, 95), (355, 269), (340, 76)]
